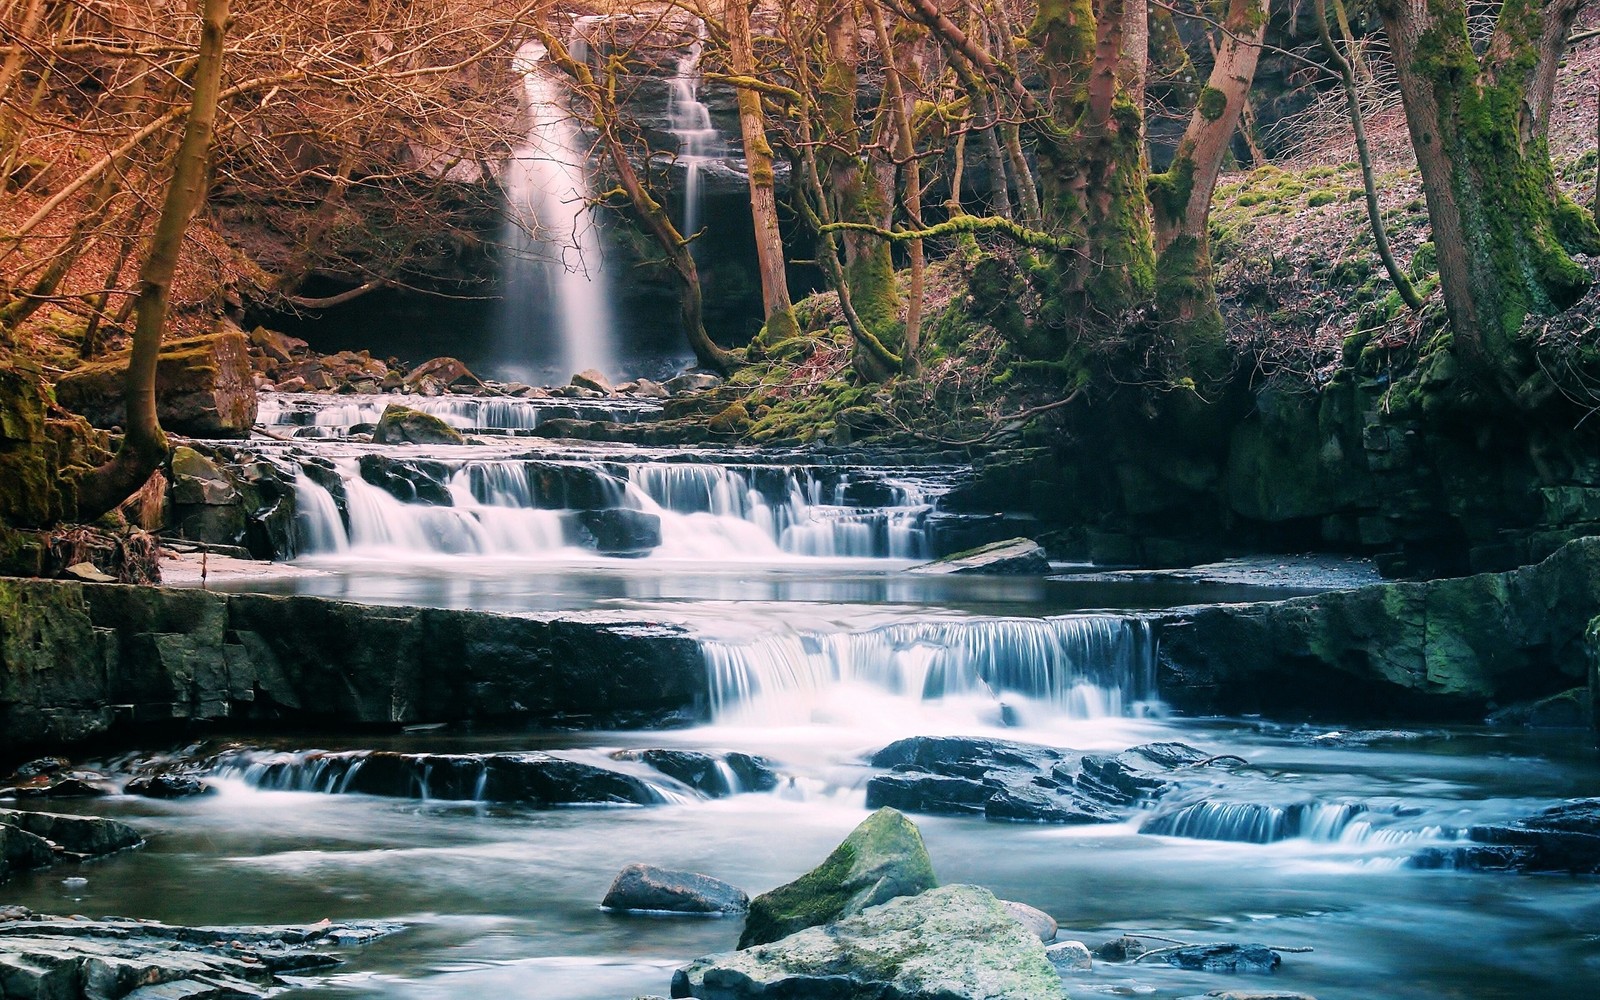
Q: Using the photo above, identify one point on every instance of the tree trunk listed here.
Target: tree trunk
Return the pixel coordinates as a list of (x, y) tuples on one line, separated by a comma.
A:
[(1180, 199), (770, 258), (1502, 229), (900, 64), (144, 444)]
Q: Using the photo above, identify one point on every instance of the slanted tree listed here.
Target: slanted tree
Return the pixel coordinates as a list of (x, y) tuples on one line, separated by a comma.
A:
[(144, 444), (1478, 120)]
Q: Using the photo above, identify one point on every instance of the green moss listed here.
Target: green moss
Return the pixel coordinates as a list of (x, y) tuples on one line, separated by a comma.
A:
[(1212, 103), (1320, 198)]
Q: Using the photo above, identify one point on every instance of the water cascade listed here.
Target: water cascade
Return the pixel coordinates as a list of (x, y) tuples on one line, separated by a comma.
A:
[(1079, 666), (691, 126), (309, 416), (553, 276), (526, 507)]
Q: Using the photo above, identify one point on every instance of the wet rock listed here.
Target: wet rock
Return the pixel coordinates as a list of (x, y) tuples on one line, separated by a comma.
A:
[(58, 786), (40, 767), (409, 481), (1070, 956), (594, 380), (1016, 782), (51, 958), (81, 836), (1140, 774), (22, 851), (755, 774), (641, 888), (1563, 838), (1569, 709), (623, 532), (650, 390), (691, 382), (403, 425), (954, 943), (1038, 804), (1122, 949), (88, 572), (1251, 995), (204, 388), (963, 756), (1225, 958), (168, 785), (1012, 557), (928, 793), (883, 858), (1034, 919), (708, 773)]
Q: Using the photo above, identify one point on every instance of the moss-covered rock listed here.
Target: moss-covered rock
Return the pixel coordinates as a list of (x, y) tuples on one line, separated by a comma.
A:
[(204, 388), (403, 425), (954, 943), (882, 858)]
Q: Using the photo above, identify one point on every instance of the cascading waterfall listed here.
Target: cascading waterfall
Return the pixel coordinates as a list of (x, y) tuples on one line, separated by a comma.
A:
[(1353, 823), (552, 248), (520, 508), (1081, 666), (691, 126), (313, 416)]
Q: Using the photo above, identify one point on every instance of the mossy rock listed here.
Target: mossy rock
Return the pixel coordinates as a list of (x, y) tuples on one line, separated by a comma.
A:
[(732, 420), (882, 858), (403, 425)]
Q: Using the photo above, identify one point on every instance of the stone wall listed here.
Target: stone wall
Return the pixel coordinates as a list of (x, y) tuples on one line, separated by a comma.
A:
[(82, 662)]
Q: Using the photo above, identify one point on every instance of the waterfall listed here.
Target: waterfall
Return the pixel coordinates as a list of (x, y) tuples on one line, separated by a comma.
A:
[(1354, 823), (553, 261), (1082, 666), (521, 507), (691, 127)]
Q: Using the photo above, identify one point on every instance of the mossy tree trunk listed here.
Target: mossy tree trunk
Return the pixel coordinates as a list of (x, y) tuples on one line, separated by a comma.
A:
[(852, 187), (144, 444), (900, 55), (1180, 198), (770, 259), (1092, 165), (1503, 230)]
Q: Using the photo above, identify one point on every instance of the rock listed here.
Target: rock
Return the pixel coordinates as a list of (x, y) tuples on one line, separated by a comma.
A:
[(409, 481), (204, 388), (403, 425), (593, 380), (1225, 958), (197, 480), (954, 943), (1012, 557), (706, 773), (22, 851), (623, 532), (40, 456), (1567, 710), (691, 382), (83, 836), (641, 888), (1033, 918), (1040, 804), (928, 793), (88, 572), (440, 374), (40, 767), (1563, 838), (168, 785), (884, 857), (278, 348), (58, 787), (1141, 774), (1251, 995), (1070, 956), (53, 958), (650, 390), (1122, 949)]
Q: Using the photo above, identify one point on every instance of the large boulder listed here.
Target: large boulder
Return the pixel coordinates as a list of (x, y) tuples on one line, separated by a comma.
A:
[(22, 851), (620, 531), (882, 858), (954, 943), (403, 425), (204, 388), (1012, 557), (80, 836), (641, 888), (1563, 838), (40, 450), (594, 380)]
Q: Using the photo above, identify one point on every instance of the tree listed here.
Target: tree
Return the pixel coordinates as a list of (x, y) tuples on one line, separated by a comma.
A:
[(1478, 121), (144, 445)]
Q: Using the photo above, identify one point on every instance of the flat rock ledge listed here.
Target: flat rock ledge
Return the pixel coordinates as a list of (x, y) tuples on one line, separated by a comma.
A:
[(1011, 557), (953, 943), (57, 958)]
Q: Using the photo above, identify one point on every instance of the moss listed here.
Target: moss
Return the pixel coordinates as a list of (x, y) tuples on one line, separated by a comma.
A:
[(1169, 192), (733, 419), (1425, 261), (1320, 198), (1212, 103)]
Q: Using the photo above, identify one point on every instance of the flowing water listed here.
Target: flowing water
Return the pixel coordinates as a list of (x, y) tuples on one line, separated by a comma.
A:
[(820, 648), (698, 140)]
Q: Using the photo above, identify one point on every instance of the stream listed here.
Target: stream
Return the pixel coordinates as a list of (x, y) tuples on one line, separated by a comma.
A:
[(821, 648)]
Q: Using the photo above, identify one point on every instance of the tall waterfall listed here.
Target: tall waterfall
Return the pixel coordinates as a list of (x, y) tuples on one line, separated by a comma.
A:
[(691, 126), (552, 276), (1081, 666)]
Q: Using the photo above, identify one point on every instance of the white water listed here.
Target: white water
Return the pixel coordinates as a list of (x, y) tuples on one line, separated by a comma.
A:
[(706, 512), (691, 126), (553, 254), (317, 416)]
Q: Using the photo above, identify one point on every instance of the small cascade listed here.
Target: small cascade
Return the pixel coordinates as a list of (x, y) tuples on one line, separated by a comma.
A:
[(1081, 666), (314, 416), (520, 507), (553, 275), (1263, 823), (691, 126)]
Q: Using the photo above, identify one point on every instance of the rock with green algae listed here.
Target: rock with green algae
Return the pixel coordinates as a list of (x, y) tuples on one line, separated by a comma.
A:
[(882, 858), (403, 425), (204, 387), (954, 943)]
